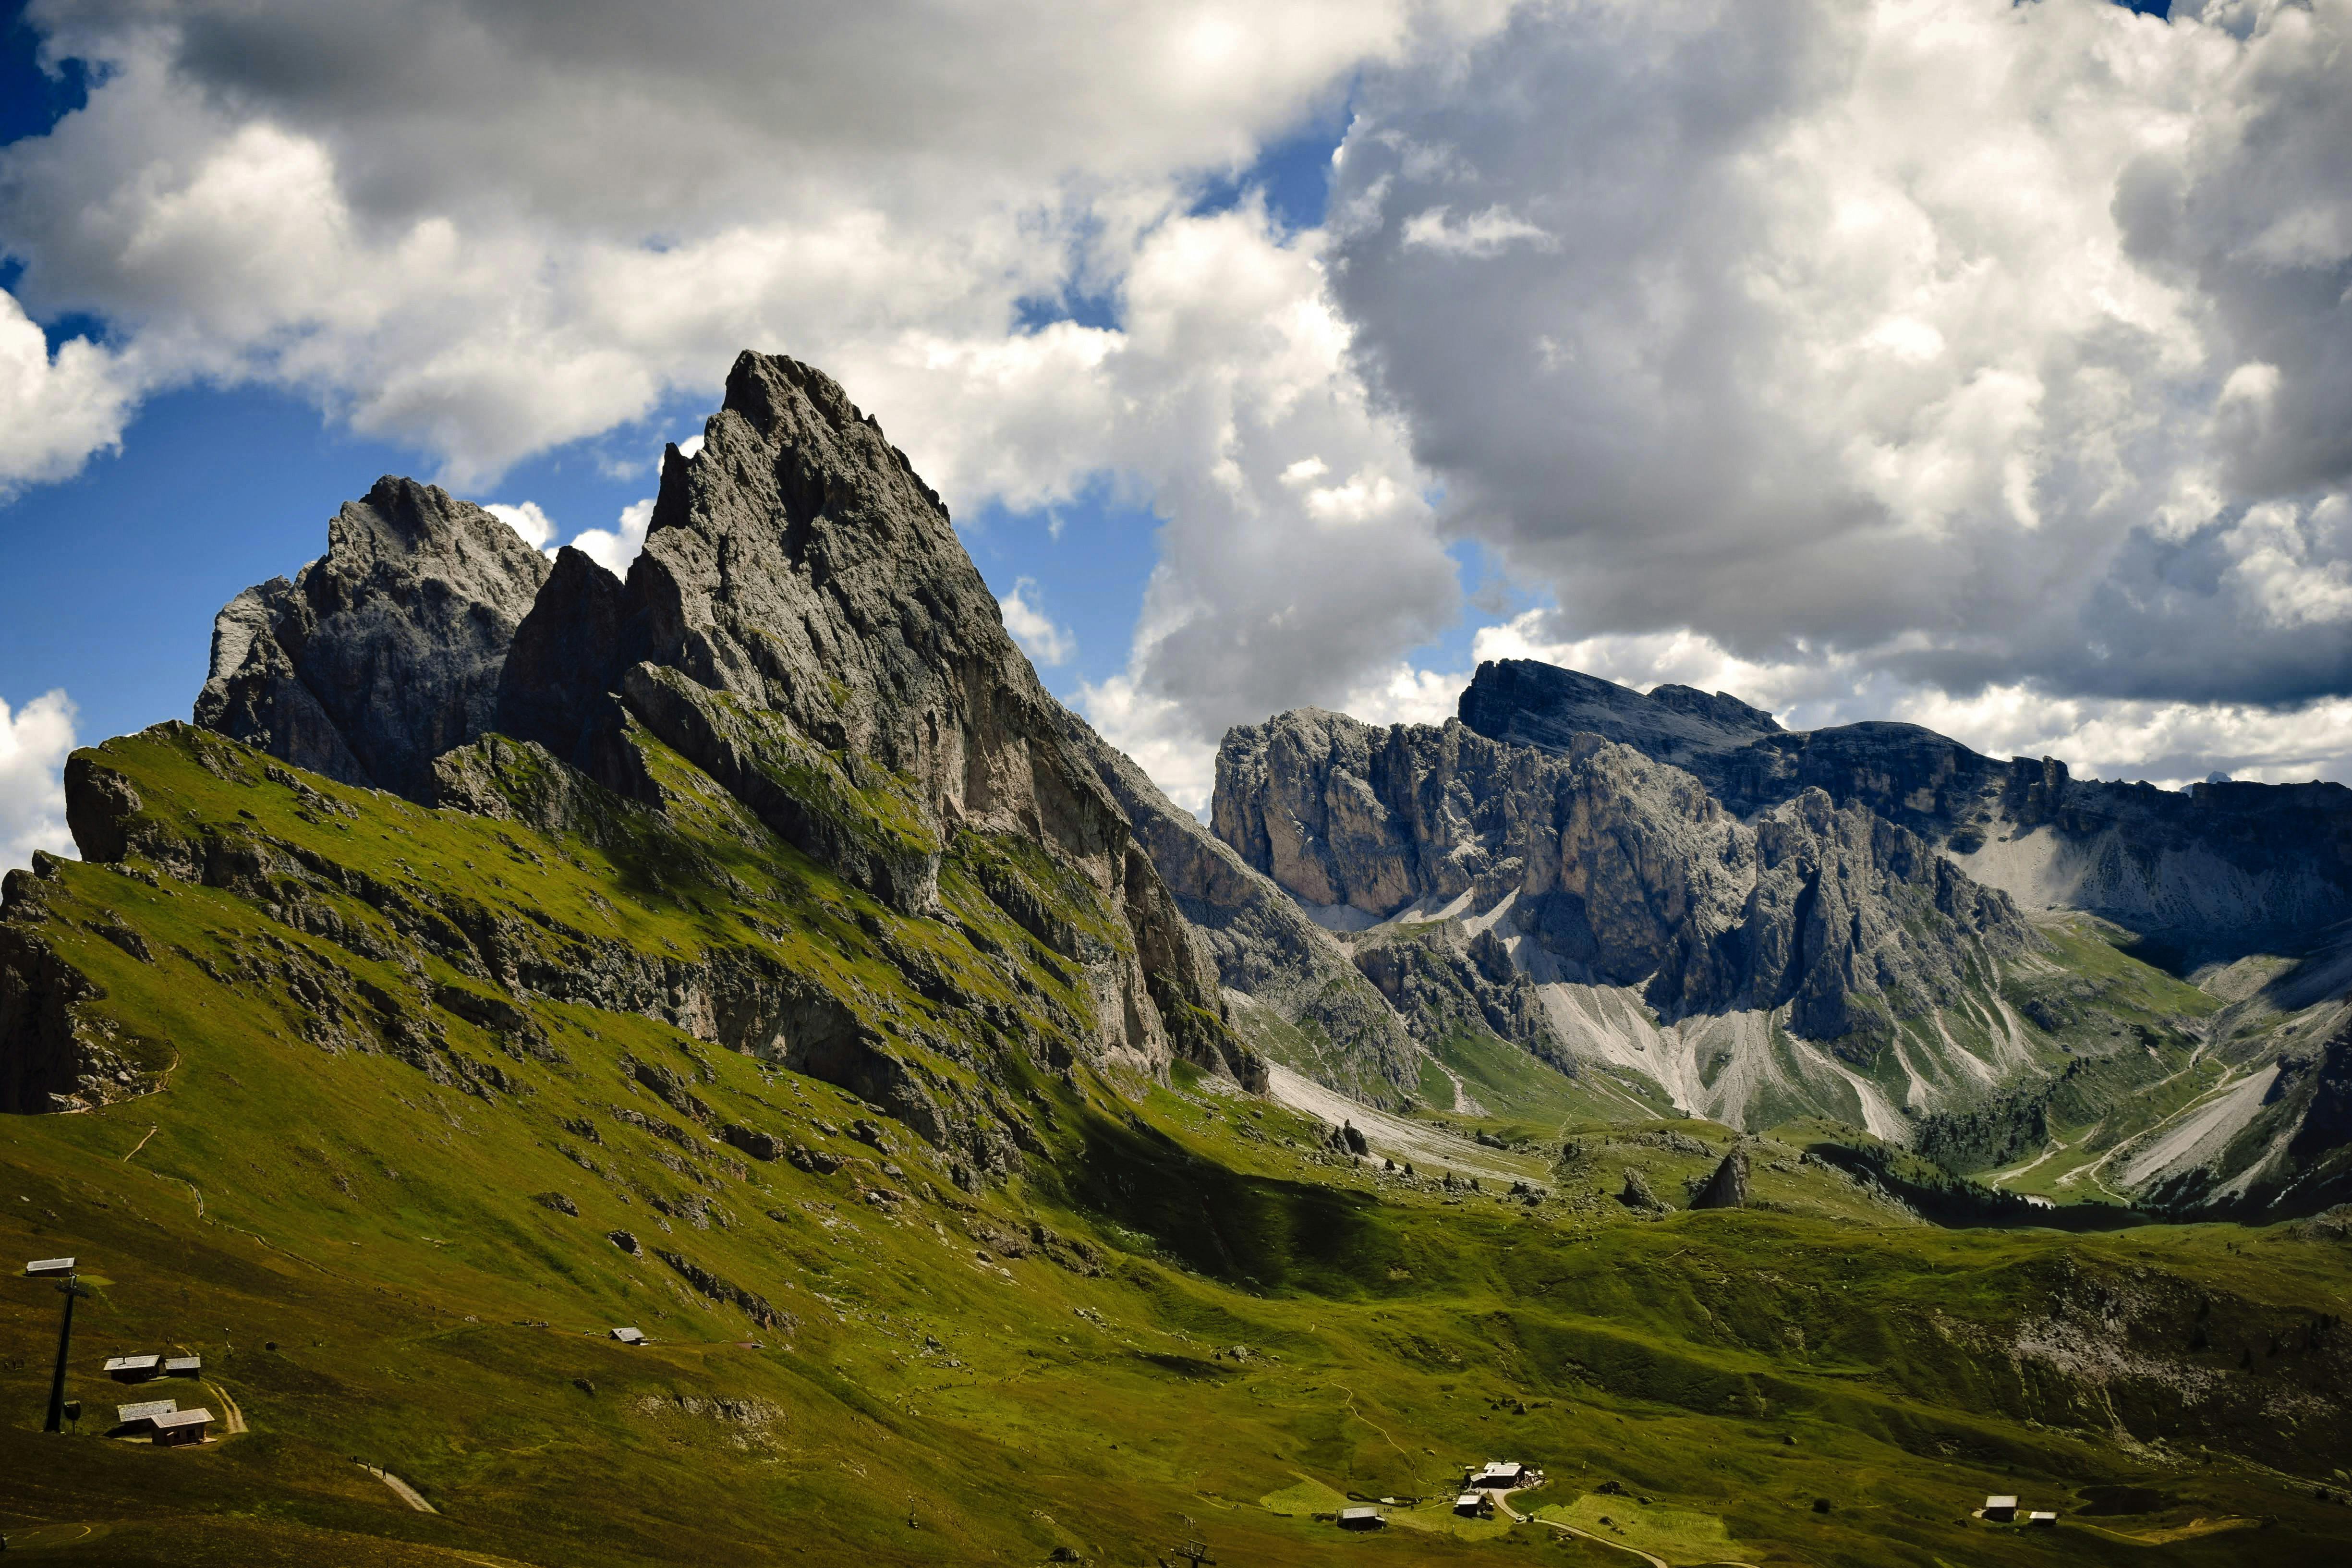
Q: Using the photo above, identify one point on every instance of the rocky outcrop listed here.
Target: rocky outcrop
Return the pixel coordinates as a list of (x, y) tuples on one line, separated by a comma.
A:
[(1617, 871), (1445, 983), (385, 652), (51, 1056), (1262, 943), (803, 627), (1636, 1194), (2210, 873), (1728, 1187)]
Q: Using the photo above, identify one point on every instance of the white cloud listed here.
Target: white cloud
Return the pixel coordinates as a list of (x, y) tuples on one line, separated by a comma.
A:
[(33, 741), (535, 527), (1480, 235), (1039, 637), (489, 229), (56, 410), (613, 548), (1984, 346)]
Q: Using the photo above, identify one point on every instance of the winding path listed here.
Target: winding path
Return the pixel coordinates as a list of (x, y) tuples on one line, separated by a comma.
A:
[(1504, 1504), (402, 1489), (1368, 1421)]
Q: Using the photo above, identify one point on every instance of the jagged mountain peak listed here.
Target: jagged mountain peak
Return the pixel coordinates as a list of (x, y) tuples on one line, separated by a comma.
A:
[(802, 634), (386, 650), (1528, 702)]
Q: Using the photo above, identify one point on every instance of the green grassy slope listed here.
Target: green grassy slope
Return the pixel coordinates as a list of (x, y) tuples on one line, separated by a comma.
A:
[(1168, 1318)]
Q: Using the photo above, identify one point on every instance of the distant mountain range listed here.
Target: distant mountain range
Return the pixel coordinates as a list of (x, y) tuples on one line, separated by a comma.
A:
[(2007, 965)]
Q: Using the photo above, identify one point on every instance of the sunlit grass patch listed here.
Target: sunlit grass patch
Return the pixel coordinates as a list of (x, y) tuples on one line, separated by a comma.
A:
[(1677, 1534)]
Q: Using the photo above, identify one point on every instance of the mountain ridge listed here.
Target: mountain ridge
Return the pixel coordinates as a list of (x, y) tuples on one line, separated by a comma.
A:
[(1975, 993), (2235, 866)]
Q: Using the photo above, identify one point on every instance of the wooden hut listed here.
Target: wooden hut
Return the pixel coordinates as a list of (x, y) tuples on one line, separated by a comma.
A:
[(181, 1427), (141, 1417)]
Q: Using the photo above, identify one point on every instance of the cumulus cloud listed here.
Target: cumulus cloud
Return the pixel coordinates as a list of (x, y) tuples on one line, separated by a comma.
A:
[(1034, 630), (485, 230), (533, 525), (613, 548), (33, 741), (1979, 348), (56, 410)]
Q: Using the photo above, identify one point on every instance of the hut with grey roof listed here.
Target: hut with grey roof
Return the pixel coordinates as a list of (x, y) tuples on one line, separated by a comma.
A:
[(141, 1417), (180, 1428)]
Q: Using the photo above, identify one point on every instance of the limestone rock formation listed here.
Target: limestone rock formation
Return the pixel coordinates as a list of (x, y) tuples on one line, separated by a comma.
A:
[(1637, 1194), (1617, 871), (385, 652), (803, 648), (1445, 982), (2212, 872), (803, 623), (1534, 704)]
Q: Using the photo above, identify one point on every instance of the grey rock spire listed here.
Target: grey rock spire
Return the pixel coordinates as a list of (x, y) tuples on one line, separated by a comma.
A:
[(385, 651)]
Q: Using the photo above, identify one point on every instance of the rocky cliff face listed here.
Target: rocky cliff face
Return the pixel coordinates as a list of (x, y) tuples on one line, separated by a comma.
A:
[(2211, 873), (1445, 983), (385, 652), (1615, 871), (1266, 948), (802, 595), (802, 660)]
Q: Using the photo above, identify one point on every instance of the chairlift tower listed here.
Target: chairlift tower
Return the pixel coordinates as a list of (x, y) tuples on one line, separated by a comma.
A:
[(1195, 1553), (73, 1288)]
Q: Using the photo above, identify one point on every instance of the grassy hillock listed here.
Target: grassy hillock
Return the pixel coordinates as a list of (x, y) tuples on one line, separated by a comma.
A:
[(403, 1110)]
